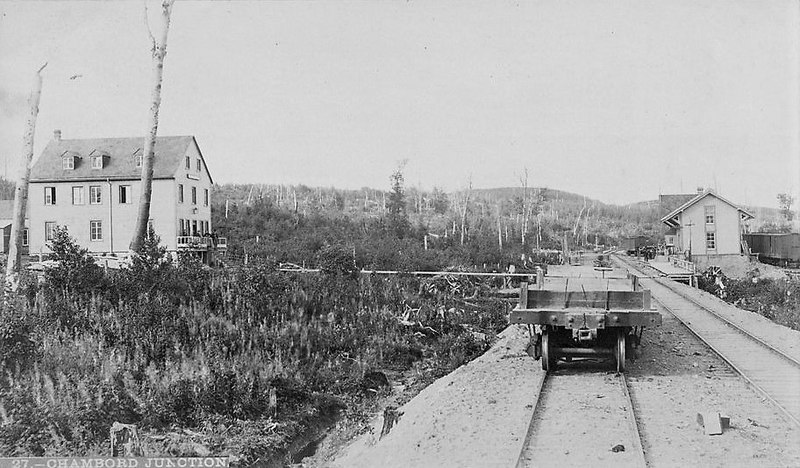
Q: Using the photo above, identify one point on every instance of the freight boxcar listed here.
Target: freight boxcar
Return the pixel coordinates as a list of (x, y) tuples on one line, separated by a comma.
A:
[(777, 249), (631, 245)]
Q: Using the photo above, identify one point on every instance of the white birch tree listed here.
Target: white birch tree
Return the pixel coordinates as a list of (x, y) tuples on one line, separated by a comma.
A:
[(158, 51), (464, 209), (21, 190)]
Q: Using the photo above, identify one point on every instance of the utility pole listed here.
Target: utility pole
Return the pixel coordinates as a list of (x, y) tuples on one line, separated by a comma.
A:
[(689, 225)]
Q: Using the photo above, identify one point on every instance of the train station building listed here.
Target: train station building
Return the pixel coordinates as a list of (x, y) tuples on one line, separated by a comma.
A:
[(706, 227)]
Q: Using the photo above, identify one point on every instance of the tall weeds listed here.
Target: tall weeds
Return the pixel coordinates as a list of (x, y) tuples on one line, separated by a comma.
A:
[(173, 345)]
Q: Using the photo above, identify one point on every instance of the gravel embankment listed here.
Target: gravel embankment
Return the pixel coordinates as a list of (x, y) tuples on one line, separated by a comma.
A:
[(476, 416), (479, 415)]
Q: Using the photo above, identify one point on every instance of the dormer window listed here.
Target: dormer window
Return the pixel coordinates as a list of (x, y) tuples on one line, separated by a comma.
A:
[(98, 159), (69, 160), (137, 157)]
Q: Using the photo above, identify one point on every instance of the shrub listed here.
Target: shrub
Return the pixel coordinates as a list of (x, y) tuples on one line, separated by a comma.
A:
[(337, 259), (75, 273), (17, 348)]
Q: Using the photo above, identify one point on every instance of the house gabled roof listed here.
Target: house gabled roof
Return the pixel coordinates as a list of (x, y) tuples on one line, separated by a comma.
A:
[(668, 218), (120, 161), (669, 202)]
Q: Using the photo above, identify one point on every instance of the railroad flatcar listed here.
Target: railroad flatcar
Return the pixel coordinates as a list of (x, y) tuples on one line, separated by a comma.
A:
[(584, 318), (777, 249)]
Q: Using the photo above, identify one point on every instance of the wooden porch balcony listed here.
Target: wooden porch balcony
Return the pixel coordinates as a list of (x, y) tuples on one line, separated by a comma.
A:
[(201, 243)]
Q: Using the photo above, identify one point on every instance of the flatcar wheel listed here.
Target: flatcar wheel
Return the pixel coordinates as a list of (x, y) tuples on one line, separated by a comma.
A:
[(619, 352), (548, 357)]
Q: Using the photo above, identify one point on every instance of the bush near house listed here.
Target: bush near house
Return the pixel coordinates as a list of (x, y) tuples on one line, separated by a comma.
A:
[(248, 357), (775, 299)]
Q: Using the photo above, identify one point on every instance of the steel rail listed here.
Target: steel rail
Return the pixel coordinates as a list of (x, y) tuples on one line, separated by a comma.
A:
[(666, 283), (638, 442), (775, 350), (633, 426), (530, 432), (722, 356)]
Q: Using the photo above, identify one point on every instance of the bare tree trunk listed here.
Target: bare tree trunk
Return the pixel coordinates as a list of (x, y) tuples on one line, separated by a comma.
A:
[(499, 233), (159, 51), (538, 230), (577, 223), (464, 211), (524, 182), (21, 195)]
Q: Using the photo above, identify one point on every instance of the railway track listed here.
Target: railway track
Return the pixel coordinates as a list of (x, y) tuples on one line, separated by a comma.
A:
[(772, 372), (606, 433)]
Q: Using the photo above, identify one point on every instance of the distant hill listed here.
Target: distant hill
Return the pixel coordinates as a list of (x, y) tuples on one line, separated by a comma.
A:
[(506, 193)]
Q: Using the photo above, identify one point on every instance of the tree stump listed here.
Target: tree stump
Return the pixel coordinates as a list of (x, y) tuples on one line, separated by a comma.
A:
[(125, 441), (273, 402), (390, 417)]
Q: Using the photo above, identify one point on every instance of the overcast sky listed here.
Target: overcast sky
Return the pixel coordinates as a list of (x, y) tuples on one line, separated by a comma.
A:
[(617, 100)]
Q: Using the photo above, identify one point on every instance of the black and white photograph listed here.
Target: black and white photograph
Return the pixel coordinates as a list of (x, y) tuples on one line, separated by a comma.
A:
[(399, 233)]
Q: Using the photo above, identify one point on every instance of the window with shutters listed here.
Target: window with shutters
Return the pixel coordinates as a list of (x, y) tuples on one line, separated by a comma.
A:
[(77, 195), (49, 195), (95, 195), (125, 194), (49, 230)]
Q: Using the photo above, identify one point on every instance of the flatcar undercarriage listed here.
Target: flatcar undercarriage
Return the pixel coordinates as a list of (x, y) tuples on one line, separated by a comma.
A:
[(584, 324)]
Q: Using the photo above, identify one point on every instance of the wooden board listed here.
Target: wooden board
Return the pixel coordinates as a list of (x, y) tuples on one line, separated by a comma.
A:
[(605, 300)]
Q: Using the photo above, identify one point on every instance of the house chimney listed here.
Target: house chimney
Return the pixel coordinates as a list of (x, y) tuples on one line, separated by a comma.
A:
[(57, 135)]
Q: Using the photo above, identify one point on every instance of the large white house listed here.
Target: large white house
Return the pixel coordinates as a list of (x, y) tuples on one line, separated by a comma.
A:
[(92, 187), (707, 225)]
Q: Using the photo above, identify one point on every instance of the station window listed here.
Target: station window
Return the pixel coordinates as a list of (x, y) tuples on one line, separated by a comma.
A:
[(180, 193), (188, 162), (194, 195), (709, 214), (199, 165), (49, 195), (97, 162), (205, 197), (68, 163), (711, 240), (25, 237)]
